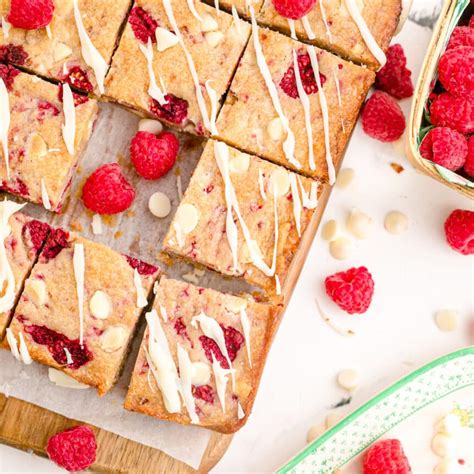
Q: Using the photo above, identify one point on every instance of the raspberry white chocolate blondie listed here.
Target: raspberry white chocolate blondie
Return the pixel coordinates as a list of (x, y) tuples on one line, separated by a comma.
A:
[(21, 239), (80, 307), (201, 357), (359, 30), (175, 62), (42, 133), (242, 216), (293, 104), (76, 44)]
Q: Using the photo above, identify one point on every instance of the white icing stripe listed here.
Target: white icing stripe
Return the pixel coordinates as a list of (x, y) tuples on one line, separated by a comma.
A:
[(277, 285), (48, 32), (339, 98), (310, 199), (307, 27), (163, 313), (212, 94), (220, 376), (193, 10), (289, 143), (141, 297), (244, 320), (69, 126), (96, 224), (217, 6), (90, 54), (192, 67), (5, 27), (306, 109), (78, 261), (291, 24), (69, 359), (5, 124), (44, 196), (261, 185), (369, 40), (323, 15), (13, 344), (185, 376), (7, 278), (325, 113), (297, 208), (240, 411), (236, 19), (153, 89)]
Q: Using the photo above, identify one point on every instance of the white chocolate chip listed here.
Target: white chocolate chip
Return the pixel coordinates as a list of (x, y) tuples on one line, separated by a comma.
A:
[(213, 38), (446, 466), (280, 181), (345, 178), (396, 222), (315, 432), (113, 338), (234, 304), (38, 147), (446, 320), (150, 125), (333, 418), (208, 23), (359, 224), (441, 444), (38, 291), (165, 39), (449, 424), (96, 224), (240, 163), (329, 230), (348, 379), (61, 52), (187, 217), (100, 305), (201, 374), (275, 129), (340, 248), (159, 204)]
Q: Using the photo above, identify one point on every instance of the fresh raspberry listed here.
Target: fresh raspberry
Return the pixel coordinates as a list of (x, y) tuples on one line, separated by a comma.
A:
[(142, 268), (469, 164), (34, 233), (382, 118), (351, 290), (153, 156), (174, 111), (461, 36), (8, 74), (30, 14), (12, 53), (456, 71), (203, 392), (386, 456), (107, 191), (288, 81), (143, 25), (459, 230), (395, 78), (233, 342), (453, 112), (293, 9), (74, 449)]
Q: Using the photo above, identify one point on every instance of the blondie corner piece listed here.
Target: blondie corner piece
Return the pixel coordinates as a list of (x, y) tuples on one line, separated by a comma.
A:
[(175, 64), (80, 307), (331, 25), (57, 51), (201, 357), (226, 219), (43, 148), (293, 117), (22, 239)]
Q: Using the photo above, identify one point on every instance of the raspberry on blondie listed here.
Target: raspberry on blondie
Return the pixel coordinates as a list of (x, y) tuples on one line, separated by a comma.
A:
[(75, 47), (42, 134), (80, 308), (201, 357), (299, 117), (242, 216), (175, 63), (21, 239)]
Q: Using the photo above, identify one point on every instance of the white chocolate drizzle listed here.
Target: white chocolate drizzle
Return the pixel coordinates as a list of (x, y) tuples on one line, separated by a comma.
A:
[(62, 380), (153, 89), (6, 27), (369, 40), (323, 16), (212, 94), (69, 126), (11, 339), (325, 113), (49, 34), (96, 224), (7, 278), (291, 24), (141, 298), (193, 10), (306, 109), (244, 320), (24, 353), (297, 208), (339, 98), (78, 261), (309, 199), (277, 285), (44, 196), (289, 143), (163, 313), (236, 20), (185, 375), (261, 185), (5, 123), (217, 6), (90, 54), (307, 27), (69, 359), (220, 376), (240, 411)]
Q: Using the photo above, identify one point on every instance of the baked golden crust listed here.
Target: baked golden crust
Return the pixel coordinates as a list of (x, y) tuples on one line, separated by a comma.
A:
[(248, 112), (207, 243), (381, 17), (182, 302), (37, 150), (99, 361), (128, 80)]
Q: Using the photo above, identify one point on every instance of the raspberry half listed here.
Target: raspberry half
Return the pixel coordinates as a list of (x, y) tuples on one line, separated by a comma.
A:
[(293, 9), (143, 25), (386, 456), (174, 111), (30, 14), (459, 230)]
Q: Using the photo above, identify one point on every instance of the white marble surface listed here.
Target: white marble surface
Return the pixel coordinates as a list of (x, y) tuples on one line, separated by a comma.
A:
[(415, 275)]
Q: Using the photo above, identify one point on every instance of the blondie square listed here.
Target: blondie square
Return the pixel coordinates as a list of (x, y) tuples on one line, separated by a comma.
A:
[(43, 136), (21, 240), (80, 308), (76, 47), (242, 216), (301, 118), (201, 357), (175, 64), (359, 30)]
